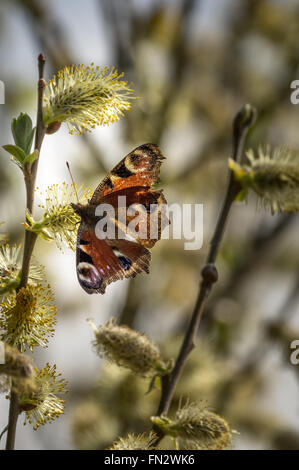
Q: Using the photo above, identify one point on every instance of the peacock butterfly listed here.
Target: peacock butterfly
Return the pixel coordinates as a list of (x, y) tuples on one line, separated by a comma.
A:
[(100, 261)]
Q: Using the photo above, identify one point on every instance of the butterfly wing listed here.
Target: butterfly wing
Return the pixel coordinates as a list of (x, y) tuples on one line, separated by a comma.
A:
[(150, 205), (100, 262), (141, 167)]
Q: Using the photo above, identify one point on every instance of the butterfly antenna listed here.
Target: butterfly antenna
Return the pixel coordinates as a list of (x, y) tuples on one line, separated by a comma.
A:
[(75, 188)]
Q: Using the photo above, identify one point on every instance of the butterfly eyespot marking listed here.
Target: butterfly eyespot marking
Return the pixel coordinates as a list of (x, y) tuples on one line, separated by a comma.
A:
[(89, 276), (83, 270), (136, 163), (122, 171), (126, 262)]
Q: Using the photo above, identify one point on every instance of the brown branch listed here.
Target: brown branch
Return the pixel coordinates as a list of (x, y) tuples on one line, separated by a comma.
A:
[(257, 252), (30, 237), (243, 120), (30, 174)]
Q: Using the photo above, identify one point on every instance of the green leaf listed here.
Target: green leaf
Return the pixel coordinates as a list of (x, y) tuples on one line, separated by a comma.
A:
[(23, 132), (241, 196), (18, 155), (32, 157), (156, 382), (10, 286), (37, 227)]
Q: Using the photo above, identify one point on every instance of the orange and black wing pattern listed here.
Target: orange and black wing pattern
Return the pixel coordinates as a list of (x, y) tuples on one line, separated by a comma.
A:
[(102, 261), (141, 167)]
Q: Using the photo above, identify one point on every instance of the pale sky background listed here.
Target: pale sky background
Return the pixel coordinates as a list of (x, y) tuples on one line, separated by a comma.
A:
[(70, 348)]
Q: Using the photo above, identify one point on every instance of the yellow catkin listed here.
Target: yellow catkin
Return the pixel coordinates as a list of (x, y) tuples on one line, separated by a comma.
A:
[(85, 97), (128, 348)]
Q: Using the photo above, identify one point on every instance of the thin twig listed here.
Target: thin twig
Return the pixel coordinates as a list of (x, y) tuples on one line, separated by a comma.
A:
[(257, 250), (3, 432), (30, 237), (243, 120), (30, 173)]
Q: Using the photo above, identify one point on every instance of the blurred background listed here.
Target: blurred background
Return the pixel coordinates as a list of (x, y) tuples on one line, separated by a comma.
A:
[(193, 63)]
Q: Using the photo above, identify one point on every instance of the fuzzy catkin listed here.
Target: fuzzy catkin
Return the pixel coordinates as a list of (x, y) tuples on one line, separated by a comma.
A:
[(85, 97), (196, 428), (128, 348), (273, 175), (135, 442)]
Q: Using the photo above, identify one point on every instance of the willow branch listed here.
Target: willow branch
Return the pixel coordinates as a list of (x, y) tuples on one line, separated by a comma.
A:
[(30, 237), (243, 120), (30, 173)]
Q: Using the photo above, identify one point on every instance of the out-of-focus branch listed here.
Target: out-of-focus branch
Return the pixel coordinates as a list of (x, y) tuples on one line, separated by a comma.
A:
[(243, 120), (276, 330), (256, 252), (179, 57), (119, 17), (131, 307)]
